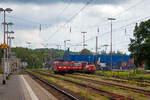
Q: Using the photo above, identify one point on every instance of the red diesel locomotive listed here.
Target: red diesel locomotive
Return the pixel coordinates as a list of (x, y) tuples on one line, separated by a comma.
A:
[(70, 67)]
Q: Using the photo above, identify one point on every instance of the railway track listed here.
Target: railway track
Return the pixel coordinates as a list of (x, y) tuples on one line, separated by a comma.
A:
[(112, 96), (122, 79), (146, 92), (126, 81), (135, 79), (64, 94)]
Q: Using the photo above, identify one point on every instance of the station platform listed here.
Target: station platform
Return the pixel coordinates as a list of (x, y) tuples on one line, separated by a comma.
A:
[(23, 87)]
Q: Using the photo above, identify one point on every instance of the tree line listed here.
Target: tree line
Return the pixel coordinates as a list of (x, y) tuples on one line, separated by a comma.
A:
[(140, 44)]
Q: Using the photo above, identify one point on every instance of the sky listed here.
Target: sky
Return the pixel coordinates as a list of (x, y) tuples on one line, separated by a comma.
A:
[(48, 23)]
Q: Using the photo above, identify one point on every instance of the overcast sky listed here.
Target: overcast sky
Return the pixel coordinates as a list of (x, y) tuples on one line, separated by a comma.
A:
[(58, 16)]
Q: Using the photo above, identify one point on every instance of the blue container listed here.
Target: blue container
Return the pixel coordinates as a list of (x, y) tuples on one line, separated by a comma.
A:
[(116, 59)]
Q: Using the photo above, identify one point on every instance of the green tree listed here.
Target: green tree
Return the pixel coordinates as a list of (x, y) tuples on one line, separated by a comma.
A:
[(32, 57), (140, 45), (117, 53), (85, 52), (120, 53), (35, 58), (103, 52)]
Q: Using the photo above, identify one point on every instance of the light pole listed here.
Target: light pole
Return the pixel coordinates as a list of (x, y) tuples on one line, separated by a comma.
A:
[(7, 33), (10, 38), (111, 19), (8, 49), (8, 24), (4, 62), (65, 44)]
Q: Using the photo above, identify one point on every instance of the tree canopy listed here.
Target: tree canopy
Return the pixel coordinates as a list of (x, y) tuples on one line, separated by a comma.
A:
[(140, 45), (37, 57), (85, 52)]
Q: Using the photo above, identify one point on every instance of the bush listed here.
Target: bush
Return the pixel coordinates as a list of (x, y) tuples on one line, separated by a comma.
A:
[(140, 71)]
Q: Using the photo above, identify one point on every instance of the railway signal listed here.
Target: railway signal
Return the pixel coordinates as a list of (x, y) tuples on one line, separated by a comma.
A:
[(4, 46), (41, 53)]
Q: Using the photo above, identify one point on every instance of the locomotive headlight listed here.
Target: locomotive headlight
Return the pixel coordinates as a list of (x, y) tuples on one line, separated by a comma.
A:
[(64, 67), (59, 67)]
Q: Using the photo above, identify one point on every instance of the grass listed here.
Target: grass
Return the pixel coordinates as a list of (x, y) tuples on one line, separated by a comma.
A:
[(128, 74), (131, 83), (73, 88), (115, 90), (116, 74), (143, 76)]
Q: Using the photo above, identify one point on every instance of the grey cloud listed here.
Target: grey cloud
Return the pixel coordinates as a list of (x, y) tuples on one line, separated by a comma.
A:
[(65, 1)]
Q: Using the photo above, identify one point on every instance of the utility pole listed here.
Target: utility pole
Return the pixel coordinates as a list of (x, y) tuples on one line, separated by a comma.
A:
[(84, 39), (29, 44), (96, 45), (96, 49), (10, 38), (58, 46), (4, 64), (111, 19), (7, 50), (65, 44), (4, 60), (97, 42)]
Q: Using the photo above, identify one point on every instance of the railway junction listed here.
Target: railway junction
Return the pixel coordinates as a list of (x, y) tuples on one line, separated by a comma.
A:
[(44, 84)]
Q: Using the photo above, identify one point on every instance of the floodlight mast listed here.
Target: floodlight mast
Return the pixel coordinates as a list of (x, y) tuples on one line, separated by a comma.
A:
[(111, 19), (84, 39)]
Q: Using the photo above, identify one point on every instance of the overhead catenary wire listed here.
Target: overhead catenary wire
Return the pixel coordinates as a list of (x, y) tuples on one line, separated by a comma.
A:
[(117, 29), (61, 12), (71, 18), (35, 22), (118, 14), (127, 9), (27, 20), (105, 32), (64, 9)]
